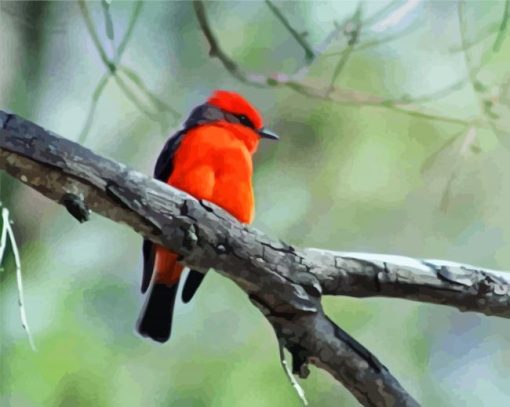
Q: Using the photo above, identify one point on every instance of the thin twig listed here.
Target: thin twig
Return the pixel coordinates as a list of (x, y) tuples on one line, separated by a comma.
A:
[(488, 32), (472, 75), (108, 21), (309, 54), (430, 116), (101, 85), (302, 72), (216, 51), (134, 98), (3, 243), (161, 105), (320, 49), (460, 156), (113, 67), (502, 27), (352, 31), (432, 159), (429, 97), (299, 390), (17, 260), (374, 43), (359, 98), (137, 8), (93, 35)]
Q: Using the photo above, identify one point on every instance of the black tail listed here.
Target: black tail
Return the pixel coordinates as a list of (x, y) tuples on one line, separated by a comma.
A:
[(191, 285), (155, 319)]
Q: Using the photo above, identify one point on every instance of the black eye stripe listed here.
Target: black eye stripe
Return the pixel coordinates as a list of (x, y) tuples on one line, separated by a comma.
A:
[(245, 121), (208, 114)]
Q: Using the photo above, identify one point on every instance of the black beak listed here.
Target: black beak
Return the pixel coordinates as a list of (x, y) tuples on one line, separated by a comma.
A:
[(265, 133)]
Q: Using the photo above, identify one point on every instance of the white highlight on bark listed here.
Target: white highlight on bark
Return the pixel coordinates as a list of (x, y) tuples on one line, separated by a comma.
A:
[(8, 232), (418, 264)]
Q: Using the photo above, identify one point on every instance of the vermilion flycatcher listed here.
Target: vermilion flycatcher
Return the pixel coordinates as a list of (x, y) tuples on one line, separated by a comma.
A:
[(211, 159)]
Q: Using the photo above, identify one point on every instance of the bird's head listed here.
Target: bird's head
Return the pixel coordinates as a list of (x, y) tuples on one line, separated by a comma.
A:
[(241, 118)]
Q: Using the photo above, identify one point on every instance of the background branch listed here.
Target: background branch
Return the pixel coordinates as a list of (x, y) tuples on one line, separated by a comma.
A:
[(299, 37), (115, 70), (328, 92), (485, 105)]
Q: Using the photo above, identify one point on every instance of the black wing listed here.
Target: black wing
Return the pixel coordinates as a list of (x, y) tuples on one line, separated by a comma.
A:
[(162, 171), (164, 165)]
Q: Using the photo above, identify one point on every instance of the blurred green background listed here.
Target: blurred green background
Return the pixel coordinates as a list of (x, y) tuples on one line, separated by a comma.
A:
[(347, 176)]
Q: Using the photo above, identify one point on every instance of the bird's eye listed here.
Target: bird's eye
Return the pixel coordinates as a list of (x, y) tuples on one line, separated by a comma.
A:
[(245, 121)]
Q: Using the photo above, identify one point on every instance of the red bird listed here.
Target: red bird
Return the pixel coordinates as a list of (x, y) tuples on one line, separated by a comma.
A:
[(211, 159)]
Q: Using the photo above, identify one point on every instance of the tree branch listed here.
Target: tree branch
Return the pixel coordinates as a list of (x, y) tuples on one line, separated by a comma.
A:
[(285, 282), (463, 286)]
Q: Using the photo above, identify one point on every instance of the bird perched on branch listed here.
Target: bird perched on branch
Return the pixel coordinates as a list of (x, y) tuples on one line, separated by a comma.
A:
[(211, 159)]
